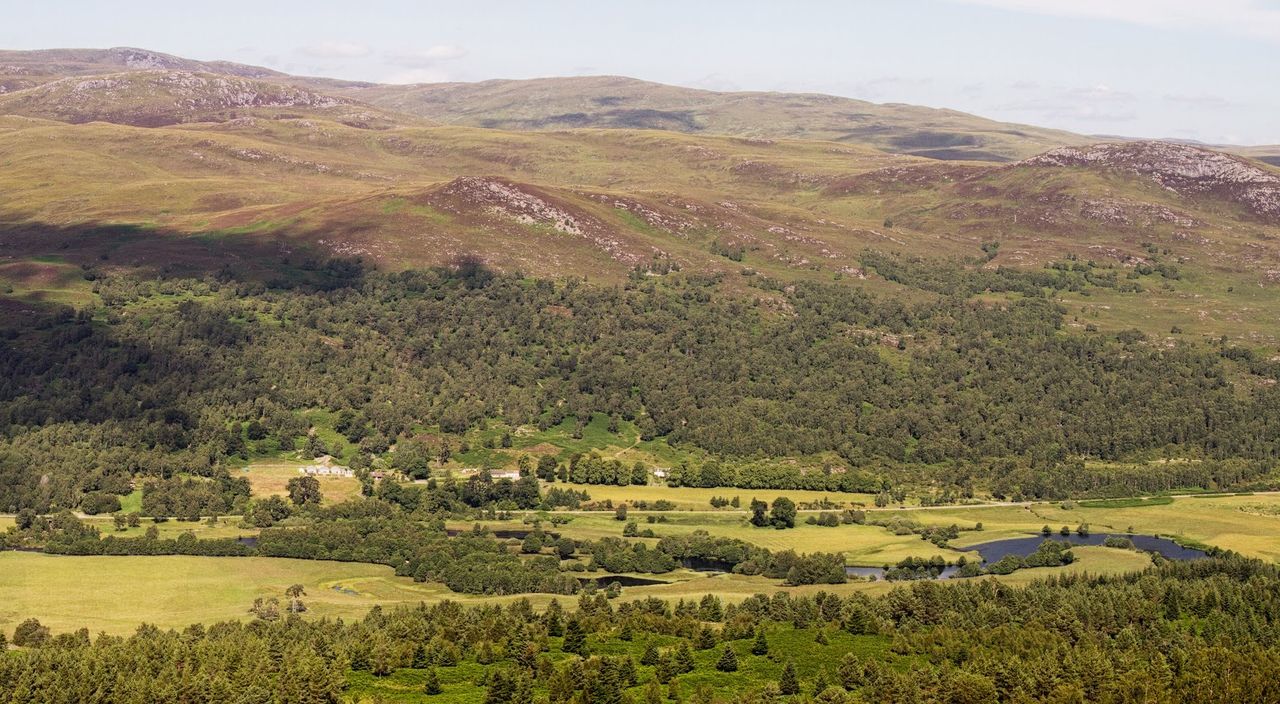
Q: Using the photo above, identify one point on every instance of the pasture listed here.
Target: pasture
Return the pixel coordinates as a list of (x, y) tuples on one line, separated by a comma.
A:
[(271, 478), (115, 594), (1248, 524)]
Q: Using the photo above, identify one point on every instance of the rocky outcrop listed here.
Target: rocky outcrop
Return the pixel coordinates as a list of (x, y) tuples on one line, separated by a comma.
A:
[(158, 97), (1182, 169)]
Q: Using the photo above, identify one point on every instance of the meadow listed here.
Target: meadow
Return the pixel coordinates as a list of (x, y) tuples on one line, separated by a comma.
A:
[(115, 594), (271, 478)]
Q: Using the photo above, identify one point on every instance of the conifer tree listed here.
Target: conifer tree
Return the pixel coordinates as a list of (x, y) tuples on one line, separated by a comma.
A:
[(684, 658), (788, 683), (761, 645), (431, 684), (728, 661), (575, 639)]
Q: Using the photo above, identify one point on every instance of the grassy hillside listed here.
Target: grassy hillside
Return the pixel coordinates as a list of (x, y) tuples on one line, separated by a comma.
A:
[(124, 158), (626, 103), (604, 203)]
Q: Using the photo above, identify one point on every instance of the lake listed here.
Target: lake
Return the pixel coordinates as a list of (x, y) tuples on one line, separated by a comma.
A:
[(994, 550)]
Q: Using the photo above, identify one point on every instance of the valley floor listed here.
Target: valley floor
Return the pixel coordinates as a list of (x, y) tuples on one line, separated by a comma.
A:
[(115, 594)]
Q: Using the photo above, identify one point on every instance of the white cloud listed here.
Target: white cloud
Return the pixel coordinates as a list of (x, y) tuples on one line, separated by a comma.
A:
[(335, 50), (422, 58), (1253, 18)]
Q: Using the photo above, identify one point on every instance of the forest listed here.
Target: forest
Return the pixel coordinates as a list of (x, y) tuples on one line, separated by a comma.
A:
[(1204, 631), (171, 379)]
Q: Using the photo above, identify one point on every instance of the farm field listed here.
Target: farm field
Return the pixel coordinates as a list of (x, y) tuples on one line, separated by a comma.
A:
[(115, 594), (864, 545), (271, 478), (1248, 524)]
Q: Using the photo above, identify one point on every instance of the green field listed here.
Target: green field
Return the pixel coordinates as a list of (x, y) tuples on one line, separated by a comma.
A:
[(114, 594), (1244, 524)]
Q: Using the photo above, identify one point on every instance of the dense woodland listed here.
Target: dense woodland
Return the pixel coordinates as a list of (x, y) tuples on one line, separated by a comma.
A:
[(1204, 631), (171, 377)]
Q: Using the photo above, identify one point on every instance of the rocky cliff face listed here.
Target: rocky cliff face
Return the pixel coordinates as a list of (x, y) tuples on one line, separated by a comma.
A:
[(1182, 169)]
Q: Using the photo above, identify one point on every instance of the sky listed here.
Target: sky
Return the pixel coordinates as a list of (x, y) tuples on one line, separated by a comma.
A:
[(1188, 69)]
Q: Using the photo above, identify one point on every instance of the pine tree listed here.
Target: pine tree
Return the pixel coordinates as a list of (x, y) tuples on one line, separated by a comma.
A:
[(761, 646), (501, 689), (821, 638), (421, 657), (653, 693), (650, 655), (728, 661), (664, 669), (684, 658), (788, 683), (575, 639), (706, 638), (821, 684), (431, 684)]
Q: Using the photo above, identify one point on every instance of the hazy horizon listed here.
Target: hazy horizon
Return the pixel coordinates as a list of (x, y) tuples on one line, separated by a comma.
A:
[(1179, 70)]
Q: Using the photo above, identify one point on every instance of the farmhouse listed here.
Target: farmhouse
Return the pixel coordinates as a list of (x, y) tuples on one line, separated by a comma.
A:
[(325, 468)]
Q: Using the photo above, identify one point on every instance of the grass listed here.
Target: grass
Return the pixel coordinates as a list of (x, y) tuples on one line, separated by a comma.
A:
[(754, 671), (1128, 503), (1239, 523), (226, 527), (131, 502), (115, 594), (271, 478), (193, 202)]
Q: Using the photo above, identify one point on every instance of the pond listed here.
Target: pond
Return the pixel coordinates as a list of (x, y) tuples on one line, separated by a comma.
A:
[(703, 564), (622, 580), (994, 550)]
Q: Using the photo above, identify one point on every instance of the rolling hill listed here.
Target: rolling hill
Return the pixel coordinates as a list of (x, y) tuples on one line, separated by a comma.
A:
[(125, 158), (626, 103)]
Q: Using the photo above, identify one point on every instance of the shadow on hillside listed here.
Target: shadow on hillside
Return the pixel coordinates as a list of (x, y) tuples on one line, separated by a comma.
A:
[(280, 259)]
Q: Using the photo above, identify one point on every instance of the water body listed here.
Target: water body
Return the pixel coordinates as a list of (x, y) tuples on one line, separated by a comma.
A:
[(996, 549), (622, 580), (702, 564)]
